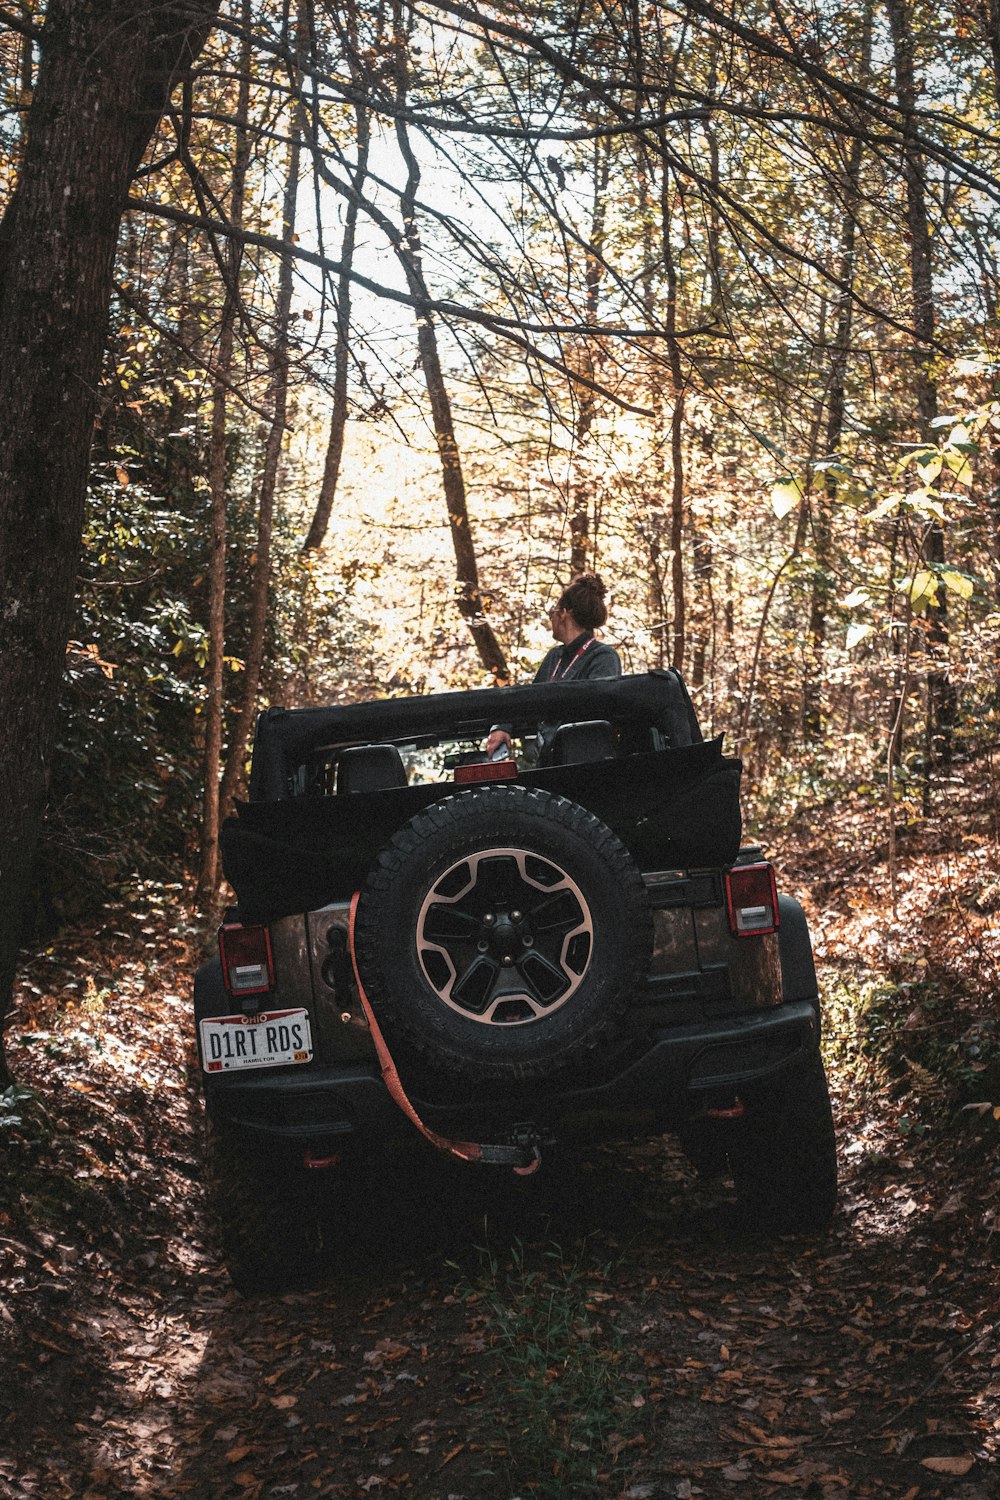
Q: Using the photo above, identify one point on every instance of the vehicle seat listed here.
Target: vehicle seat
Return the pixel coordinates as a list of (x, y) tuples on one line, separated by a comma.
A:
[(572, 743), (369, 768)]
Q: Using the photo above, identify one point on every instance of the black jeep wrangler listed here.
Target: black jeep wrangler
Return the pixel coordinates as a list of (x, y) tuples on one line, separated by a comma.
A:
[(498, 954)]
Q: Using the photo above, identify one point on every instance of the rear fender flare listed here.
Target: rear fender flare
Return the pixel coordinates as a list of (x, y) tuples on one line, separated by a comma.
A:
[(798, 969), (210, 995)]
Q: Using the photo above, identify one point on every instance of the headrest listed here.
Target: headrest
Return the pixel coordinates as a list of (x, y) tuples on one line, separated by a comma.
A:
[(589, 740), (369, 768)]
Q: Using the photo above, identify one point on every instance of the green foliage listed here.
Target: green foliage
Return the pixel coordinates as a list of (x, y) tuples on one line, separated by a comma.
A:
[(125, 790), (125, 772), (25, 1123), (564, 1411), (914, 1038), (12, 1102)]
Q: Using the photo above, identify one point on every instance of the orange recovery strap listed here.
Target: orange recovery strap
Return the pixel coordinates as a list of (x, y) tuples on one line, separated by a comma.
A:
[(525, 1159)]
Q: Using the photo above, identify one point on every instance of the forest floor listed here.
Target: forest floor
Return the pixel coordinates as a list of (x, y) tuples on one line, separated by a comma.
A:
[(604, 1329)]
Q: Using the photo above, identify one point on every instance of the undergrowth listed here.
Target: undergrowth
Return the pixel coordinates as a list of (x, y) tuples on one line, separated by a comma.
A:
[(916, 1041), (562, 1417)]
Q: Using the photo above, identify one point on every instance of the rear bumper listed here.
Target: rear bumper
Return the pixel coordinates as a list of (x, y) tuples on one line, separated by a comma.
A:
[(685, 1068)]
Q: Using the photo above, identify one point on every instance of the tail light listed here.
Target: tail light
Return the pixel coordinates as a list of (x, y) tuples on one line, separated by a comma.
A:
[(487, 770), (247, 962), (752, 899)]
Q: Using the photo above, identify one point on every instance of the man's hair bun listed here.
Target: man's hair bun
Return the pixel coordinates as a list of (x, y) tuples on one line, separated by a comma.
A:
[(584, 598)]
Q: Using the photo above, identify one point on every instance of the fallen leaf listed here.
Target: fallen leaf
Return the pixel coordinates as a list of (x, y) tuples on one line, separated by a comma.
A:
[(235, 1454), (948, 1465), (284, 1402)]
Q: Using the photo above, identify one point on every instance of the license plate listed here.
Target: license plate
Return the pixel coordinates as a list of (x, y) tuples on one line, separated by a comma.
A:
[(269, 1040)]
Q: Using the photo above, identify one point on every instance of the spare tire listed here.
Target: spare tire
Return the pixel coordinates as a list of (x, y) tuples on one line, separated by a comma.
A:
[(502, 933)]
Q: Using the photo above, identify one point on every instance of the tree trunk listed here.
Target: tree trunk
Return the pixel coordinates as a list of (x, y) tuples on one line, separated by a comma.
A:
[(819, 603), (316, 534), (208, 881), (941, 701), (656, 596), (341, 359), (106, 71), (678, 624), (581, 543), (991, 19), (470, 599), (278, 404)]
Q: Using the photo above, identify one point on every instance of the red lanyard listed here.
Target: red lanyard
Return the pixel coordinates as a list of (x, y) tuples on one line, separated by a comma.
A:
[(561, 672)]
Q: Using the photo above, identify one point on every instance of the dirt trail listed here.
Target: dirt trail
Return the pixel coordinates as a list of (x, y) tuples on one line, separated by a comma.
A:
[(863, 1365)]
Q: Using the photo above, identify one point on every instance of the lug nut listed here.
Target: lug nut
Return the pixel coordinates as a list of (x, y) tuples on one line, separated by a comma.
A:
[(483, 945), (508, 958), (516, 916), (489, 919)]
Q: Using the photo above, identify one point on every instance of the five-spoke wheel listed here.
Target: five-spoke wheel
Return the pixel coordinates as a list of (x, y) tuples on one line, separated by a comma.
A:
[(504, 936)]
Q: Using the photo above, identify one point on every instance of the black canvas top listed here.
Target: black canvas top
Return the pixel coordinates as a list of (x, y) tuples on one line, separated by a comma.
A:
[(286, 737), (673, 809)]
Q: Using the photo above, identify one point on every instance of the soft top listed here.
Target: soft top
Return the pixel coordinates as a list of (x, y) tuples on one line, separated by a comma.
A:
[(286, 737)]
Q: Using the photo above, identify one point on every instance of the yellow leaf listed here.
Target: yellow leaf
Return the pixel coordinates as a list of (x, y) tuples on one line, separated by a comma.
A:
[(948, 1465), (957, 583), (122, 476), (922, 589), (930, 466), (885, 505), (785, 497)]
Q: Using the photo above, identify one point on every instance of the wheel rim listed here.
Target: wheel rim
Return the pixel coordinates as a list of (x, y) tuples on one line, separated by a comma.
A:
[(504, 937)]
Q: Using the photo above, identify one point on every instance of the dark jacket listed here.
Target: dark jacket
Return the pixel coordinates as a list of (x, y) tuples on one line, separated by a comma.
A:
[(584, 657)]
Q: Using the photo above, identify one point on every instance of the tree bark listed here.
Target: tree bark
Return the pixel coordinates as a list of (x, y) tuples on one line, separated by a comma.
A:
[(656, 594), (341, 359), (678, 622), (470, 599), (820, 593), (581, 542), (941, 700), (208, 881), (278, 402), (316, 534), (106, 71), (991, 21)]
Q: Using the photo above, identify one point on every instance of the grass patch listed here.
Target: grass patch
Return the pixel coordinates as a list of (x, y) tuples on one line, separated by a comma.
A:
[(562, 1418)]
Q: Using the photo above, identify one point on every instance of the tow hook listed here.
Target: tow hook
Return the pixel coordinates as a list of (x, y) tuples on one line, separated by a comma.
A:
[(732, 1111), (527, 1138), (317, 1163)]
